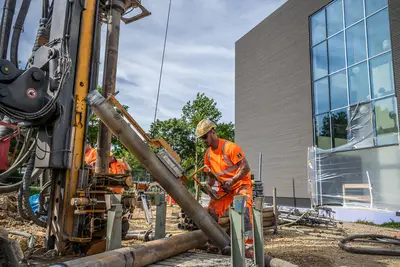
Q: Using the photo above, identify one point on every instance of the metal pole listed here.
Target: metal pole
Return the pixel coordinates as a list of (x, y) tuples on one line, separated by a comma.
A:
[(161, 214), (109, 80), (237, 231), (260, 167), (197, 187), (143, 254), (275, 211), (294, 194), (106, 112), (258, 232)]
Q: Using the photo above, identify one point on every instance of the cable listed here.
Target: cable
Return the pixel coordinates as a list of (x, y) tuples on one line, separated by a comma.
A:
[(375, 239), (25, 186), (6, 22), (19, 23), (10, 170), (162, 61)]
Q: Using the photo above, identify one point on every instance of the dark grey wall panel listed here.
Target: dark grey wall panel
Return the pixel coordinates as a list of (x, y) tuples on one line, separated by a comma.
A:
[(273, 106), (394, 17)]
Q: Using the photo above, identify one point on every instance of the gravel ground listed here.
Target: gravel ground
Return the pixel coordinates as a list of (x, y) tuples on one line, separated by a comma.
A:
[(314, 249), (319, 249)]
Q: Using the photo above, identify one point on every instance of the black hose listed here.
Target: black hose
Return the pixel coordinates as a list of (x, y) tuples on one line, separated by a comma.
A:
[(19, 23), (10, 188), (25, 183), (4, 131), (381, 238), (17, 164), (20, 207), (7, 18)]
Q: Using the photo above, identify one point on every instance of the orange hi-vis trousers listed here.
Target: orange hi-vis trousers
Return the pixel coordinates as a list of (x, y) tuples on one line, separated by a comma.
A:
[(217, 207)]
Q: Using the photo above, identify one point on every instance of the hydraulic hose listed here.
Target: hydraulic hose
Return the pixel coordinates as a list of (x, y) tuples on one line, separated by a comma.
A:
[(17, 164), (6, 22), (4, 131), (373, 251), (10, 188), (24, 145), (25, 188), (19, 23), (20, 207)]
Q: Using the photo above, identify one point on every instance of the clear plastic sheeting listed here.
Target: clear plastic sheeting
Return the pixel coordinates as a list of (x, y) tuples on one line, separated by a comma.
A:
[(361, 165)]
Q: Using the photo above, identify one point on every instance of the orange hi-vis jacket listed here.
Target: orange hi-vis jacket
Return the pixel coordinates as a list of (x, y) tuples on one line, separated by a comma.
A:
[(117, 167), (223, 162), (90, 156)]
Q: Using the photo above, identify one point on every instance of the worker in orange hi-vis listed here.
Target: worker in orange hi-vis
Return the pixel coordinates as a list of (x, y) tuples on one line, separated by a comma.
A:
[(227, 160), (90, 155), (117, 167)]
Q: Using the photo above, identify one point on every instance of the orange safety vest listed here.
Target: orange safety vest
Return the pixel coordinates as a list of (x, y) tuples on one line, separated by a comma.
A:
[(90, 156), (224, 161), (117, 167)]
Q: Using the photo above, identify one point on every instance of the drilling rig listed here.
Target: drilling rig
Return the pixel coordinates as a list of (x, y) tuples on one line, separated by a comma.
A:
[(48, 101)]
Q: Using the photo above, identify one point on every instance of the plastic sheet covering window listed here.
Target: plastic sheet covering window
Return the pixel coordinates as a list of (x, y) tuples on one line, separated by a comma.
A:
[(362, 166)]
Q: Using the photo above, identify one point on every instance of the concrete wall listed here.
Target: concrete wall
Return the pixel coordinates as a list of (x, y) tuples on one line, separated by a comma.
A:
[(273, 98)]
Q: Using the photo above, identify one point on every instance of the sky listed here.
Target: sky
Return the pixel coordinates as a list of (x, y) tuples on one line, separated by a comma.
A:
[(199, 57)]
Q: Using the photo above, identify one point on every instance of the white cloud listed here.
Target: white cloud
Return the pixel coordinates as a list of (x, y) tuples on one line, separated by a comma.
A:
[(199, 56)]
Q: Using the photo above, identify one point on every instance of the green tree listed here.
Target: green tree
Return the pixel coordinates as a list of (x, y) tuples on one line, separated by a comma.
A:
[(180, 133)]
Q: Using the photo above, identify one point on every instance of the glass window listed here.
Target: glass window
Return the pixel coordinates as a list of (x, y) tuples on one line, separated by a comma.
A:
[(386, 121), (339, 121), (352, 73), (378, 33), (353, 10), (355, 43), (334, 17), (321, 96), (374, 5), (323, 131), (336, 53), (381, 72), (358, 83), (318, 27), (360, 131), (338, 90), (320, 61)]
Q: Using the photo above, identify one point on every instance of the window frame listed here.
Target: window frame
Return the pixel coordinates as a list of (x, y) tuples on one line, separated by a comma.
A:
[(371, 100)]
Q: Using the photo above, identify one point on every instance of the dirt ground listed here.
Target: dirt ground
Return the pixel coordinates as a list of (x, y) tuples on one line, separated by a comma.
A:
[(304, 249), (320, 249)]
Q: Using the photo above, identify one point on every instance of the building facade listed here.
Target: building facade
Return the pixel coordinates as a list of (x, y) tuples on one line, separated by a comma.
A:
[(316, 93)]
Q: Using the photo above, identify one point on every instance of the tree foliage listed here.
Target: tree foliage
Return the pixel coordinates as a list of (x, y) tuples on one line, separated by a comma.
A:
[(178, 132)]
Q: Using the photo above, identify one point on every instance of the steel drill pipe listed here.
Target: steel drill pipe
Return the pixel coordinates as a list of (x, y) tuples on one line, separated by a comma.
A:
[(143, 254), (122, 130), (153, 251), (117, 7)]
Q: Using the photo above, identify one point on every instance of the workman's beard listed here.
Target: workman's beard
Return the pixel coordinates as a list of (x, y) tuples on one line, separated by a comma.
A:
[(207, 144)]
